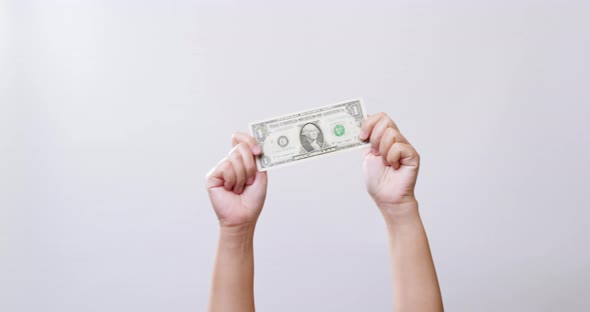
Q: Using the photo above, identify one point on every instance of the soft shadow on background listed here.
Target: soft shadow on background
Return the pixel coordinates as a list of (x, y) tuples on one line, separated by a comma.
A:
[(112, 112)]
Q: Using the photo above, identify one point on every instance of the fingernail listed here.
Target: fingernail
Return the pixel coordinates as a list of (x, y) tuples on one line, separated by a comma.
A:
[(256, 150), (374, 151), (250, 180), (363, 135)]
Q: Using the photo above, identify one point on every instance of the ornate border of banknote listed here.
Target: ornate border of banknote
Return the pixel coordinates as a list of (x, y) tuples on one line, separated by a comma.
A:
[(308, 134)]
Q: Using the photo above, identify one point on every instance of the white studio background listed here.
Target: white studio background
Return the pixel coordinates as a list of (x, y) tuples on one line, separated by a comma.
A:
[(113, 111)]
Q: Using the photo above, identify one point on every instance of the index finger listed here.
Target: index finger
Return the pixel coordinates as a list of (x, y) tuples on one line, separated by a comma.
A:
[(241, 137), (370, 122)]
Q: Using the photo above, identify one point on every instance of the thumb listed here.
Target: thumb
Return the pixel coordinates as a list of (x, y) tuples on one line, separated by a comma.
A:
[(373, 166), (259, 184)]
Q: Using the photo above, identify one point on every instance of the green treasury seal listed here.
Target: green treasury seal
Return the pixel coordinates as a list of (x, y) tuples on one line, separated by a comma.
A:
[(339, 130)]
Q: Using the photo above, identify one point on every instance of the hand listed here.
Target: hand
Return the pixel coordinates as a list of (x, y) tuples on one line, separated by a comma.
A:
[(236, 189), (390, 166)]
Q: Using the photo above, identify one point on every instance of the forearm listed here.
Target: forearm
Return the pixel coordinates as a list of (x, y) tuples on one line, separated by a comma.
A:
[(233, 276), (415, 284)]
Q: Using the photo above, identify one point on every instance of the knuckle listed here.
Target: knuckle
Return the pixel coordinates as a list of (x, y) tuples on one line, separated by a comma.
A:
[(224, 164), (238, 148), (234, 156), (212, 171), (229, 178), (243, 146), (249, 172), (239, 138), (245, 151), (371, 119)]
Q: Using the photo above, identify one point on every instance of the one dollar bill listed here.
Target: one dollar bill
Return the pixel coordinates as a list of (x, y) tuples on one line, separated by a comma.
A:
[(309, 134)]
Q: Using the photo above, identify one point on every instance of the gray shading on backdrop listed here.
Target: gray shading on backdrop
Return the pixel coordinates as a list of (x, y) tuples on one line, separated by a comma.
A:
[(113, 111)]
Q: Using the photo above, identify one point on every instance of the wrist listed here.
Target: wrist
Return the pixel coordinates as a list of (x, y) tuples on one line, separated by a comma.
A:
[(237, 236), (400, 213)]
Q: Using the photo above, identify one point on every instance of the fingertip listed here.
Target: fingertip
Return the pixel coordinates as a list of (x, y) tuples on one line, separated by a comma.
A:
[(364, 135), (385, 162), (256, 150), (234, 139)]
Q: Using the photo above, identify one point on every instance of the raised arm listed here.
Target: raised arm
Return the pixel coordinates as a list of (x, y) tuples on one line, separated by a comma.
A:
[(237, 192), (390, 169)]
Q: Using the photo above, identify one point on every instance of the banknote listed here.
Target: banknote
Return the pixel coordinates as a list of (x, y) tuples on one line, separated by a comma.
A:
[(309, 134)]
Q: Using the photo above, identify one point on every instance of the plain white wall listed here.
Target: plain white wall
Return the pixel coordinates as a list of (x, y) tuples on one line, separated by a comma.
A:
[(113, 111)]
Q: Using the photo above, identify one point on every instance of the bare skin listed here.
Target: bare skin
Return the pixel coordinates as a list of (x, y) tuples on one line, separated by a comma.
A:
[(237, 192)]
